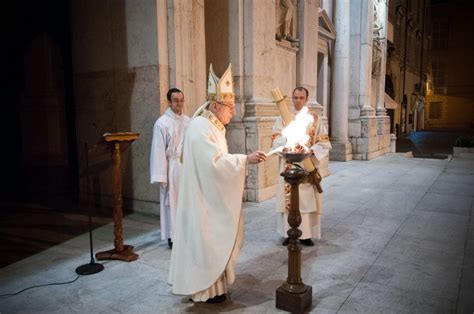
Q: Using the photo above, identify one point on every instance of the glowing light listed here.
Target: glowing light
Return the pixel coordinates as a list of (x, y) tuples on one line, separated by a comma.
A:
[(296, 131)]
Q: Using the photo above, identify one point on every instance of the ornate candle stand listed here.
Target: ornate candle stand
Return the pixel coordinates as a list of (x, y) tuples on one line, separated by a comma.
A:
[(293, 295)]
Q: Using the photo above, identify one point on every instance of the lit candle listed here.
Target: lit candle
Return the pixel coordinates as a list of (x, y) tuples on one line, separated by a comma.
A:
[(277, 95), (274, 151)]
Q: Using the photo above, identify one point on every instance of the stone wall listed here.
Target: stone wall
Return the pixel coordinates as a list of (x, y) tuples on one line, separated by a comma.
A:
[(115, 87)]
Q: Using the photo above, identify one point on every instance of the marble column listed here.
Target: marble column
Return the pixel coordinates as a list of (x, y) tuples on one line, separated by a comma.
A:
[(187, 57), (383, 121), (323, 81), (328, 6), (383, 15), (307, 61), (236, 129), (342, 149), (365, 72), (257, 67), (162, 49)]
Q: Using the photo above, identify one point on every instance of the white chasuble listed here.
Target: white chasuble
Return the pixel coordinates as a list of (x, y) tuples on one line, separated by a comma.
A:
[(310, 201), (166, 149), (209, 211)]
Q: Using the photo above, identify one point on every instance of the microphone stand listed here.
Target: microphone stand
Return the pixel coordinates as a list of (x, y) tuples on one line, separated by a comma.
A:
[(92, 267)]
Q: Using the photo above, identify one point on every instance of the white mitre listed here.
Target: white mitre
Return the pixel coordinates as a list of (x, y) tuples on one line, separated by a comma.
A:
[(218, 89)]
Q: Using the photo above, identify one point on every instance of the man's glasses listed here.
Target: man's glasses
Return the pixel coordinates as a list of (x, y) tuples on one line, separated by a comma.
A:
[(232, 107)]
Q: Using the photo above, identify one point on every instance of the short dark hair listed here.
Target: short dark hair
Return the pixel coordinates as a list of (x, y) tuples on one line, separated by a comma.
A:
[(171, 91), (301, 88)]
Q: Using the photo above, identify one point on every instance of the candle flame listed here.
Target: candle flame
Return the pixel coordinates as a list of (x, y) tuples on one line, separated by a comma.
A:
[(296, 131)]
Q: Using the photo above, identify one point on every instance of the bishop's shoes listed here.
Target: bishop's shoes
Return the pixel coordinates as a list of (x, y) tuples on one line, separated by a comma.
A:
[(217, 299)]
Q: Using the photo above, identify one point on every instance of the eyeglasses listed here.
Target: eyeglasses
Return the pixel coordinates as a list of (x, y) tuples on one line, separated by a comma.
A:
[(232, 107)]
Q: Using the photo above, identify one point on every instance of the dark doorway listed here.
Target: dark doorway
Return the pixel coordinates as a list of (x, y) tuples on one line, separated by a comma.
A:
[(40, 154)]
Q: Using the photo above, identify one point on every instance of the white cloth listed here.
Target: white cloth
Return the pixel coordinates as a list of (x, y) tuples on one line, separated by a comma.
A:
[(209, 209), (166, 149), (228, 276), (310, 201)]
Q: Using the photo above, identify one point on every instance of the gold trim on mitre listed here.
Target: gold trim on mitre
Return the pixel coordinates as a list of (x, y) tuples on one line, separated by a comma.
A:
[(220, 89)]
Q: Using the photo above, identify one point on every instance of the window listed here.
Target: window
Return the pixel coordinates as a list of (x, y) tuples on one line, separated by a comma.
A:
[(435, 110), (440, 33), (438, 70)]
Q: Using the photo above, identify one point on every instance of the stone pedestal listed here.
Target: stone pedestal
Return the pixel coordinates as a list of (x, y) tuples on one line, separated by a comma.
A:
[(294, 302), (341, 152), (393, 143), (262, 178)]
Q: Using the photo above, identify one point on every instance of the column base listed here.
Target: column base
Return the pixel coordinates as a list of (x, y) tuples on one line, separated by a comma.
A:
[(341, 151), (294, 302), (381, 112), (367, 111)]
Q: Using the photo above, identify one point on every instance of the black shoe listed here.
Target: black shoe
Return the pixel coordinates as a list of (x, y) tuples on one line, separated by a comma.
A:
[(286, 242), (307, 242), (170, 243), (217, 299)]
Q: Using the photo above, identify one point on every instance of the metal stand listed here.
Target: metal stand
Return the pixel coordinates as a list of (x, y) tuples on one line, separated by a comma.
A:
[(92, 267), (293, 295)]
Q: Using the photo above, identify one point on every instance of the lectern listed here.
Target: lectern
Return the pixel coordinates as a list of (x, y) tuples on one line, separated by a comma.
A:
[(117, 143)]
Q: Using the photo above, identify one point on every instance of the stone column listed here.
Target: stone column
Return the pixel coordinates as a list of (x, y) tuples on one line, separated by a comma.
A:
[(236, 52), (323, 81), (307, 60), (383, 121), (236, 129), (328, 6), (342, 149), (383, 15), (162, 49), (307, 57), (187, 50), (365, 73), (257, 68)]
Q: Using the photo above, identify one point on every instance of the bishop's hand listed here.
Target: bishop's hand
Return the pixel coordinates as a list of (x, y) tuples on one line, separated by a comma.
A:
[(256, 157)]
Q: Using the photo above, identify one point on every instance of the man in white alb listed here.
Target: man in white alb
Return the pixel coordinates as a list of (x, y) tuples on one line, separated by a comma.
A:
[(166, 149), (310, 199), (209, 220)]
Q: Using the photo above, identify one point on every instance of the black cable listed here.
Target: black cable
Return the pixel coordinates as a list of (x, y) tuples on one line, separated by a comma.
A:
[(43, 285)]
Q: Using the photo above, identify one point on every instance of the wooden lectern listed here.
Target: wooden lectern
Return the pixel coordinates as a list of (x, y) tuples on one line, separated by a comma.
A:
[(118, 142)]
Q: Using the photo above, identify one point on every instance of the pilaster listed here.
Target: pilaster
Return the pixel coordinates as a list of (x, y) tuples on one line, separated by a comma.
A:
[(366, 40), (307, 62), (186, 44), (383, 16), (260, 63), (340, 86)]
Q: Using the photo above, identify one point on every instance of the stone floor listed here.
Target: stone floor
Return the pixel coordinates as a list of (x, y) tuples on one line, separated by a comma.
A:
[(398, 236)]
